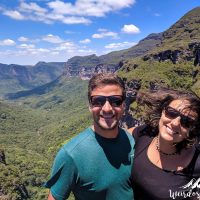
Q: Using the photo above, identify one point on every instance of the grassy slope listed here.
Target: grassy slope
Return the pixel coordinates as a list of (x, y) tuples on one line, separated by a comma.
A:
[(164, 73)]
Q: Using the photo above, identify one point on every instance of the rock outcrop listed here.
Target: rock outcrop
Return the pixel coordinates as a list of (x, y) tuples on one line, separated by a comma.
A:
[(192, 53), (2, 157), (86, 72), (128, 119)]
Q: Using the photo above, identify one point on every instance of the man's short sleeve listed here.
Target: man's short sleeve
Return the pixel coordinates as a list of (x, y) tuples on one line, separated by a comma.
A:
[(63, 176)]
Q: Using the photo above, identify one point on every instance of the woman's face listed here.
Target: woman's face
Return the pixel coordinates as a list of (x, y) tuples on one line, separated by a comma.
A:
[(176, 121)]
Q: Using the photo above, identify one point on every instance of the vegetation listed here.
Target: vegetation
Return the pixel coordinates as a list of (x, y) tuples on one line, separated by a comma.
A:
[(162, 73), (17, 77), (41, 120), (31, 133)]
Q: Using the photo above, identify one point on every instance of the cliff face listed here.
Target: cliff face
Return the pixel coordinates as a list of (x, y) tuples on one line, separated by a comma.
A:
[(85, 66), (87, 72), (191, 53)]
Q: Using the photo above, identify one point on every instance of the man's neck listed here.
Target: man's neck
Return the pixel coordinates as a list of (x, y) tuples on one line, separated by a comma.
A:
[(106, 133)]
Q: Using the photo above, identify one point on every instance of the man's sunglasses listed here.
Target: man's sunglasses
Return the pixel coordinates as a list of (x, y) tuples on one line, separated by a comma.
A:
[(185, 121), (99, 101)]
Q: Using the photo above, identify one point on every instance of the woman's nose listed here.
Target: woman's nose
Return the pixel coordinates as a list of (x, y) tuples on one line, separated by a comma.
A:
[(176, 121)]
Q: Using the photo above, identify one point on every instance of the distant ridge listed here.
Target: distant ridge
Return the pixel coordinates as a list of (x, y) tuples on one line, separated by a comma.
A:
[(170, 58), (77, 65), (22, 77)]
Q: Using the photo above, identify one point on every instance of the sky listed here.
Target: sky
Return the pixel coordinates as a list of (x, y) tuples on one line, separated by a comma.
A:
[(56, 30)]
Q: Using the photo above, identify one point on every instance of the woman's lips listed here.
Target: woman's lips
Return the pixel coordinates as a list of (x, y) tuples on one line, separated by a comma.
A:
[(170, 131)]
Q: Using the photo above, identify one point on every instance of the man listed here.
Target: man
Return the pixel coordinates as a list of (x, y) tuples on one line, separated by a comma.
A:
[(96, 164)]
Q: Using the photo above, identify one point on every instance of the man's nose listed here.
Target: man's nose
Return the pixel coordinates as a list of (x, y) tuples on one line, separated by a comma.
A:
[(107, 107)]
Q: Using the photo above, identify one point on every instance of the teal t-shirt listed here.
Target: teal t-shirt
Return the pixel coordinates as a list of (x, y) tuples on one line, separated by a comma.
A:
[(94, 168)]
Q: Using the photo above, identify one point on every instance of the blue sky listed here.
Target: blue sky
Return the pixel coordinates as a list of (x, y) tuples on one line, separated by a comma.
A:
[(55, 30)]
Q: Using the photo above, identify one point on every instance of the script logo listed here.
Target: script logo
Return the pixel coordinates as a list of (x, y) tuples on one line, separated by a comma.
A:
[(191, 189), (192, 184)]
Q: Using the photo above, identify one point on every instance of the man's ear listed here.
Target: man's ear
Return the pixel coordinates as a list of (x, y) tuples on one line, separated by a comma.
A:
[(90, 107)]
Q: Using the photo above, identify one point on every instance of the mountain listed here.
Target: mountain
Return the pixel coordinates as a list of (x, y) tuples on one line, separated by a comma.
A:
[(17, 77), (22, 78), (170, 58), (183, 32), (14, 78), (174, 62), (84, 66)]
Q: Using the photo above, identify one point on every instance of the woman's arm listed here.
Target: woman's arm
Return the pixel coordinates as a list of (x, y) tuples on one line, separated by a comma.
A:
[(50, 197), (130, 130)]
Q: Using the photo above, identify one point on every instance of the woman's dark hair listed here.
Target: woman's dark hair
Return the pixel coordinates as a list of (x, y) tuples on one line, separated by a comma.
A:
[(157, 100)]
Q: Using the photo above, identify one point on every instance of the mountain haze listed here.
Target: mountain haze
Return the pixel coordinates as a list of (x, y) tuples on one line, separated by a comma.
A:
[(15, 78)]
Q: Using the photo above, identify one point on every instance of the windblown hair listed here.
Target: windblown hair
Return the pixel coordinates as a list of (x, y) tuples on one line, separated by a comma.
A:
[(157, 100), (103, 79)]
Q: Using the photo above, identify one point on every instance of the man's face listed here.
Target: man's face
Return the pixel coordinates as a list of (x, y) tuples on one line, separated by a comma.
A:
[(107, 115)]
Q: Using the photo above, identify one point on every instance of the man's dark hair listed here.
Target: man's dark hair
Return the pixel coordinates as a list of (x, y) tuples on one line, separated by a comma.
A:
[(102, 79)]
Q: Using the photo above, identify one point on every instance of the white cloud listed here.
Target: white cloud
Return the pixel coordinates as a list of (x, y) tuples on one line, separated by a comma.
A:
[(69, 32), (85, 41), (52, 39), (54, 53), (22, 39), (26, 46), (29, 54), (78, 12), (102, 30), (7, 42), (120, 45), (157, 14), (43, 50), (104, 33), (86, 51), (31, 7), (75, 20), (14, 14), (130, 29), (97, 8), (69, 46)]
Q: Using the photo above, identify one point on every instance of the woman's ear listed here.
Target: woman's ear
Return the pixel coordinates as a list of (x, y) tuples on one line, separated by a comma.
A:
[(123, 105)]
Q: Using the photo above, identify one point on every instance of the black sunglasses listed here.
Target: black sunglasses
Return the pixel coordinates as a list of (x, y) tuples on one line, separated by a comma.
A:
[(185, 121), (99, 101)]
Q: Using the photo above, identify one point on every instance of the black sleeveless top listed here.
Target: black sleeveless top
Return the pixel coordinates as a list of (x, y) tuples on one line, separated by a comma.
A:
[(150, 182)]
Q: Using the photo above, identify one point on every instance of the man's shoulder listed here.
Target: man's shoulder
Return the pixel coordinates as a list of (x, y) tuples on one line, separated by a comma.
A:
[(80, 139)]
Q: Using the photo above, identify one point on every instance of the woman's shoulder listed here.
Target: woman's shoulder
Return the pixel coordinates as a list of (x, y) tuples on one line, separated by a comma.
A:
[(131, 130), (137, 131)]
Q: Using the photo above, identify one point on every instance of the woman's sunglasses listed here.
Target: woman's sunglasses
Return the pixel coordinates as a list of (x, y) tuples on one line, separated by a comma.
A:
[(99, 101), (185, 121)]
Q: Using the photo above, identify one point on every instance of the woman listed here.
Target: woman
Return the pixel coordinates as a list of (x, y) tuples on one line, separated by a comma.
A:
[(167, 161)]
